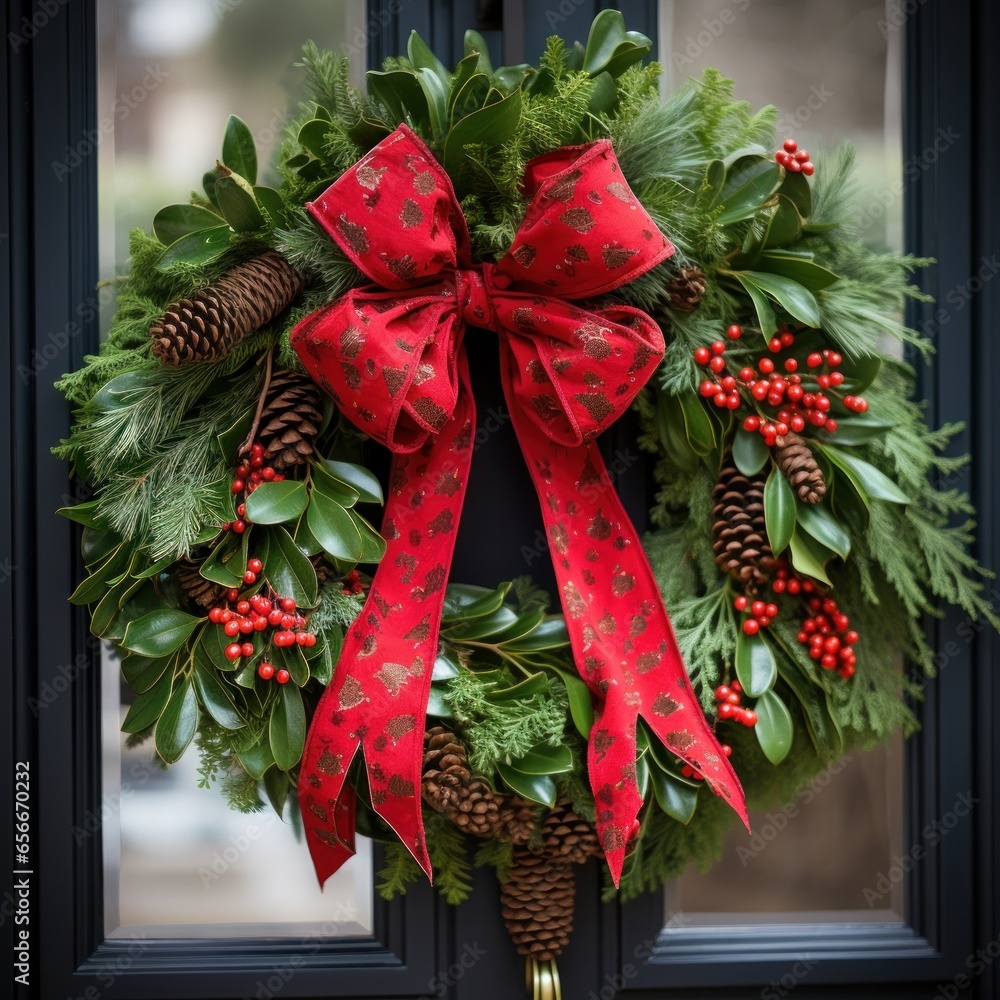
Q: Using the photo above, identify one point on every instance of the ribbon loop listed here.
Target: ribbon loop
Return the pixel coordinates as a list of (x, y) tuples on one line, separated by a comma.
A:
[(391, 358)]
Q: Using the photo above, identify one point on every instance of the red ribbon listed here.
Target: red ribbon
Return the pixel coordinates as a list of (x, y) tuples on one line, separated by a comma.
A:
[(391, 357)]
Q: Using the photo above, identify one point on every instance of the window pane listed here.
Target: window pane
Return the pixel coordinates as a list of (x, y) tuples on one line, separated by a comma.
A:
[(170, 73), (834, 71)]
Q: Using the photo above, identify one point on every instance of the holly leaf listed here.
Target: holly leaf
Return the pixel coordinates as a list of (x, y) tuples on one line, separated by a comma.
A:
[(538, 788), (215, 697), (287, 727), (146, 709), (774, 727), (277, 503), (868, 480), (818, 521), (544, 759), (750, 453), (238, 150), (159, 633), (756, 666), (287, 569), (178, 722), (810, 556), (779, 511), (676, 798), (333, 528)]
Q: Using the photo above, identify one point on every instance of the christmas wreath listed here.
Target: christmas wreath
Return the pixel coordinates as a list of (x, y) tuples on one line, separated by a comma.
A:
[(625, 251)]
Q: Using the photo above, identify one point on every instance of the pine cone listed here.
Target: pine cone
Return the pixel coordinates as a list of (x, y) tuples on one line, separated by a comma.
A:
[(687, 289), (537, 903), (290, 419), (800, 468), (569, 836), (203, 592), (741, 547), (213, 321)]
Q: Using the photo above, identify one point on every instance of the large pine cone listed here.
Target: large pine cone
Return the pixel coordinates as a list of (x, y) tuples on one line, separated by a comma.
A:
[(568, 835), (213, 321), (203, 592), (741, 546), (687, 289), (290, 420), (537, 904), (800, 468)]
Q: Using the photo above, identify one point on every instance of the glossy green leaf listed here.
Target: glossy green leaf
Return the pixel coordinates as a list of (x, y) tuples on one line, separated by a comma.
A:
[(750, 453), (779, 511), (535, 684), (142, 672), (226, 564), (333, 488), (178, 722), (239, 153), (865, 476), (766, 319), (796, 188), (321, 666), (794, 298), (287, 570), (215, 697), (784, 227), (676, 798), (175, 221), (538, 788), (485, 626), (749, 184), (859, 374), (363, 482), (807, 273), (238, 204), (107, 612), (527, 622), (208, 183), (146, 708), (607, 32), (398, 91), (154, 569), (581, 705), (605, 94), (810, 556), (277, 503), (774, 727), (756, 666), (231, 438), (212, 645), (305, 539), (474, 42), (671, 426), (257, 759), (436, 704), (372, 543), (545, 759), (860, 429), (818, 520), (421, 56), (820, 723), (292, 659), (160, 632), (468, 601), (95, 586), (276, 788), (196, 249), (445, 667), (550, 633), (83, 513), (435, 89), (490, 126), (715, 178), (634, 49), (754, 149), (270, 201), (697, 424), (287, 727), (333, 528)]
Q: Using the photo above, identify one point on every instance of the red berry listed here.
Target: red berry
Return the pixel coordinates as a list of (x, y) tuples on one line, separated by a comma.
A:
[(733, 402), (267, 474), (717, 364), (779, 586), (831, 425), (823, 381), (851, 638), (787, 338), (255, 565), (242, 470), (846, 670), (722, 692), (238, 486), (794, 166), (720, 399), (740, 603), (772, 611), (726, 749), (274, 617), (803, 637), (726, 711), (751, 423), (828, 661), (736, 686), (729, 383), (707, 388), (766, 365), (242, 607), (860, 405), (247, 649), (310, 639), (284, 638), (288, 604), (282, 676), (814, 360), (215, 615), (259, 623), (751, 626), (241, 510), (782, 157), (749, 718), (246, 626), (249, 578), (759, 390), (733, 697), (702, 355), (794, 586), (265, 671), (718, 347), (758, 608), (287, 621), (808, 169), (747, 374), (233, 595), (233, 651), (836, 378), (239, 527), (797, 424), (791, 364), (790, 145), (774, 345), (688, 771), (734, 332)]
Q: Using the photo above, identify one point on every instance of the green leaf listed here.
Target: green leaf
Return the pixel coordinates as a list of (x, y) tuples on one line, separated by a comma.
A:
[(671, 426), (238, 203), (779, 511), (490, 126), (154, 569), (445, 667), (257, 759), (527, 622), (231, 439), (818, 521), (312, 136), (544, 759), (276, 787), (607, 32), (436, 704), (238, 150), (372, 543), (146, 709), (749, 185), (421, 56), (634, 49), (676, 798), (208, 183), (287, 727), (485, 626), (400, 93), (305, 539), (807, 273), (160, 632), (868, 480), (333, 488), (605, 94), (333, 528), (474, 42), (142, 672), (823, 729), (784, 226), (698, 424), (83, 513), (292, 659), (756, 666), (226, 563), (581, 705), (550, 633), (175, 221), (860, 429), (794, 298), (435, 89), (196, 249), (178, 722), (860, 374), (538, 788), (106, 613), (715, 178), (762, 304), (212, 647), (796, 188), (270, 201), (277, 503), (464, 600), (810, 556), (750, 453), (214, 695), (535, 684), (95, 586), (287, 569), (774, 727)]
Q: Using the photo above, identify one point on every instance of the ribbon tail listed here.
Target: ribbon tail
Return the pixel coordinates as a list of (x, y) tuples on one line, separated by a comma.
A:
[(622, 640), (377, 702)]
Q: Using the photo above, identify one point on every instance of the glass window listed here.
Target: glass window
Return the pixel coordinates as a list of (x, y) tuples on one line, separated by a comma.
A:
[(178, 861), (834, 72)]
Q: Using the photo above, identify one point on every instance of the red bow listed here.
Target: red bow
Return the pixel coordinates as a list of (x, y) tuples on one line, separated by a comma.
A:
[(391, 357)]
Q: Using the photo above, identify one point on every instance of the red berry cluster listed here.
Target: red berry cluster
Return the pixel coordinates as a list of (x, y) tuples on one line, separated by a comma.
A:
[(258, 613), (250, 473), (794, 159), (829, 636), (727, 704), (793, 401), (689, 772), (760, 614), (787, 582)]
